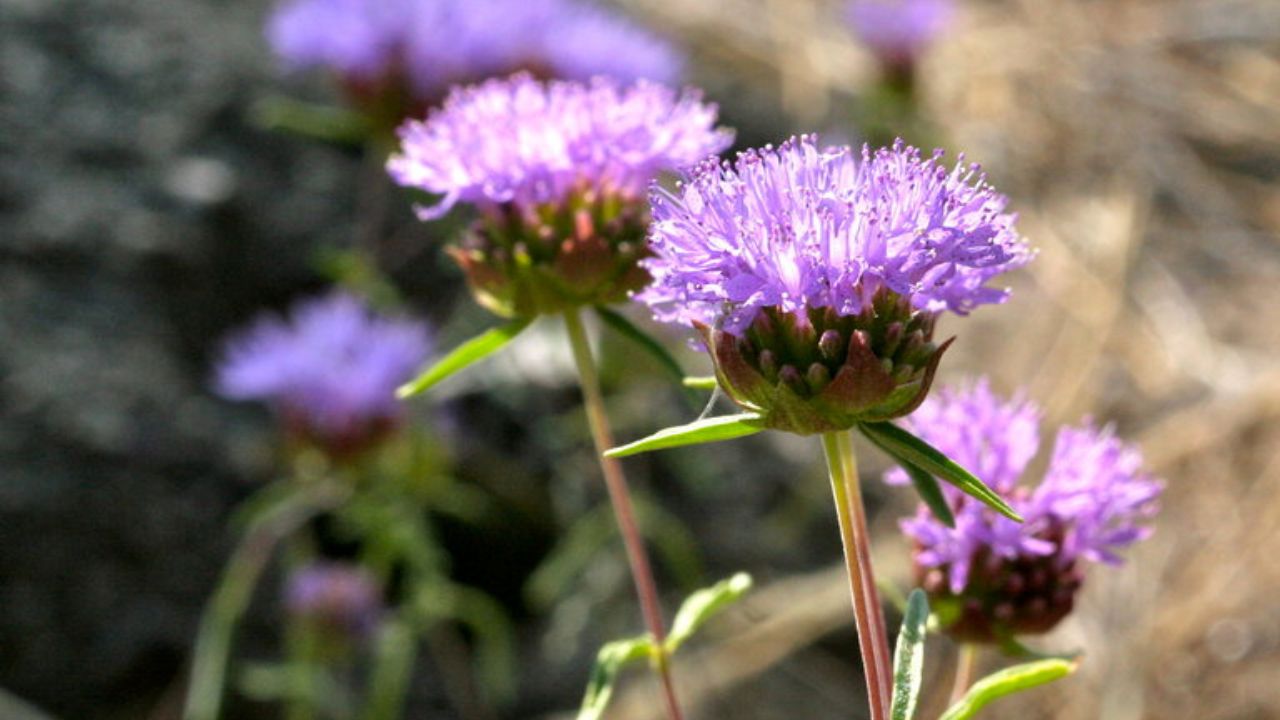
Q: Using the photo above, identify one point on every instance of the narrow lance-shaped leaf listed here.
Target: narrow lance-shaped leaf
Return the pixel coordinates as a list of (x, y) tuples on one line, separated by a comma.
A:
[(715, 429), (604, 675), (1012, 647), (702, 605), (707, 382), (927, 487), (1006, 682), (465, 354), (908, 657), (909, 449), (620, 324)]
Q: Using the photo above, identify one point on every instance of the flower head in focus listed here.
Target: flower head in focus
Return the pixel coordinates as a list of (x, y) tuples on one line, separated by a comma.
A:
[(558, 171), (815, 274), (898, 31), (989, 577), (422, 47), (330, 370), (340, 598)]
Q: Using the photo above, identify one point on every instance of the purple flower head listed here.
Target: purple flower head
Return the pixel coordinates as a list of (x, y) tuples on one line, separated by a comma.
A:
[(340, 597), (897, 31), (432, 44), (1093, 500), (532, 144), (331, 369), (798, 227)]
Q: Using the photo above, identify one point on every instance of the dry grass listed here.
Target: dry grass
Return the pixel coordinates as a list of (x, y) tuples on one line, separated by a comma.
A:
[(1141, 142)]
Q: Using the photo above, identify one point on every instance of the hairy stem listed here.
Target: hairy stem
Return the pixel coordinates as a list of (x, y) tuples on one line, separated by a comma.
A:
[(620, 496), (873, 641)]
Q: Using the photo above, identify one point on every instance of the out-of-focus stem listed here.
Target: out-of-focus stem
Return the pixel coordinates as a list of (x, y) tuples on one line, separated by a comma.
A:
[(217, 624), (393, 666), (873, 641), (620, 496), (966, 663)]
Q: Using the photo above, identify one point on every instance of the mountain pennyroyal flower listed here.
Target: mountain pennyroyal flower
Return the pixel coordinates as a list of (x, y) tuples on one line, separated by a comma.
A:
[(815, 275), (991, 577), (331, 370), (558, 170), (428, 45), (340, 598), (898, 31)]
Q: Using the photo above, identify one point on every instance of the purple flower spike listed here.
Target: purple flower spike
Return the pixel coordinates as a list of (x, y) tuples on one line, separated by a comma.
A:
[(898, 31), (991, 576), (433, 44), (331, 370), (799, 227)]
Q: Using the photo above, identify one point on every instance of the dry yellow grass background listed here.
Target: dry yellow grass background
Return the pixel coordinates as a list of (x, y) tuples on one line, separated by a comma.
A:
[(1140, 142)]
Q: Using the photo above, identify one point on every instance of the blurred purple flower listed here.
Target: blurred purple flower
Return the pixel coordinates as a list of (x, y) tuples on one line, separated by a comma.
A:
[(531, 143), (897, 31), (331, 370), (432, 44), (799, 227), (341, 597), (1094, 500)]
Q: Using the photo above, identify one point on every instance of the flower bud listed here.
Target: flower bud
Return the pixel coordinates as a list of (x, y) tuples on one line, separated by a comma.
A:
[(857, 368), (341, 599)]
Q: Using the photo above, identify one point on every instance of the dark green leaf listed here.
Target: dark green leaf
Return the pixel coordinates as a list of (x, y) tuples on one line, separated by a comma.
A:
[(911, 450), (908, 658), (703, 431), (701, 605), (465, 354), (625, 328), (318, 122), (604, 675), (1006, 682), (927, 487)]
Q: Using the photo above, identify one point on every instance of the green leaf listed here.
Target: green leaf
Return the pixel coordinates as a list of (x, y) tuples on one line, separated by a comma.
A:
[(318, 122), (469, 352), (927, 487), (624, 327), (909, 449), (714, 429), (908, 658), (702, 605), (609, 662), (707, 382), (1006, 682), (1011, 647)]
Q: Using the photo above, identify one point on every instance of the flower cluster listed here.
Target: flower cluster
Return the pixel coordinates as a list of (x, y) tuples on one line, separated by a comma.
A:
[(558, 170), (341, 598), (990, 575), (331, 370), (815, 275), (432, 44), (897, 31)]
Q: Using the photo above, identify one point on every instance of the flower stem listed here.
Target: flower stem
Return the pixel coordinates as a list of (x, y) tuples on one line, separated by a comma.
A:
[(217, 625), (966, 663), (873, 641), (620, 496)]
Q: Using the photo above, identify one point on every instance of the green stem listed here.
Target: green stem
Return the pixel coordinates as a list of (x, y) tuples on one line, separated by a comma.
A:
[(391, 672), (873, 640), (304, 665), (620, 496), (966, 663), (217, 625)]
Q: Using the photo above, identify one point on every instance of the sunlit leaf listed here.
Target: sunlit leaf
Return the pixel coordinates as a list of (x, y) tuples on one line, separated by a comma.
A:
[(707, 382), (714, 429), (604, 675), (702, 605), (465, 354), (1006, 682), (908, 657), (927, 487), (909, 449)]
